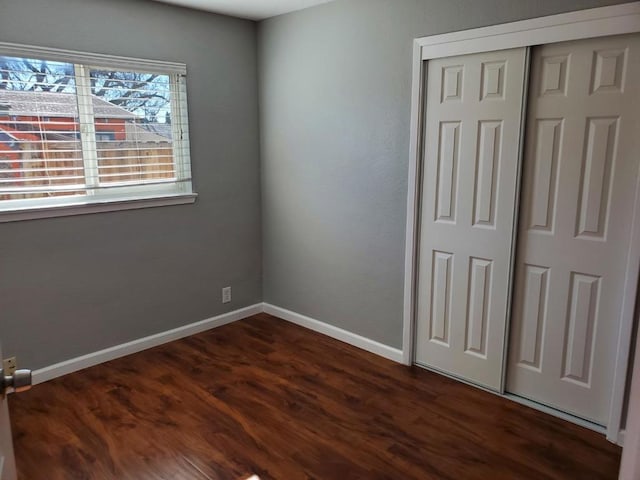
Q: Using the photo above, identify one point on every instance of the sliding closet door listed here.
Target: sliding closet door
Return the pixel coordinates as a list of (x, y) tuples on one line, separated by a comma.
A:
[(472, 132), (580, 171)]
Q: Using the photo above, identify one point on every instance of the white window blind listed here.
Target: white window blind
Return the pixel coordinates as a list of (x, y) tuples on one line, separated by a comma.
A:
[(91, 130)]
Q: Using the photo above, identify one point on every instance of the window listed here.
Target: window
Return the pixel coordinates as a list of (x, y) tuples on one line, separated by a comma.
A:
[(80, 130)]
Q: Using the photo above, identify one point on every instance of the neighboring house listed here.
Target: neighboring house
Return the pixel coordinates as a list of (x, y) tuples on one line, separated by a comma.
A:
[(44, 112), (144, 132), (161, 129), (33, 125)]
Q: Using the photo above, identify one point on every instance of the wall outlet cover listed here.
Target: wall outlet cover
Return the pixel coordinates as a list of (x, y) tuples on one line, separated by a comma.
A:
[(226, 295)]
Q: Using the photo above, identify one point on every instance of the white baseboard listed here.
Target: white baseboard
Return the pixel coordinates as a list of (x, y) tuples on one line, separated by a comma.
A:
[(377, 348), (117, 351), (620, 441), (345, 336)]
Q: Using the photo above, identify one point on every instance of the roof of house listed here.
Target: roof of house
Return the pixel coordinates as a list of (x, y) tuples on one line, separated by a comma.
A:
[(15, 102), (10, 135), (162, 129), (140, 132)]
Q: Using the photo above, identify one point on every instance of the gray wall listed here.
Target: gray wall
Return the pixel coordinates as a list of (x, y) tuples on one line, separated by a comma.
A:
[(70, 286), (334, 110)]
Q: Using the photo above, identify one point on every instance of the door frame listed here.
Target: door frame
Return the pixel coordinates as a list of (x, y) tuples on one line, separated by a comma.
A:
[(592, 23)]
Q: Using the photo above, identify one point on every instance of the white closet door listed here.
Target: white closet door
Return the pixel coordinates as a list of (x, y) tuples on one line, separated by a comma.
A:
[(580, 170), (472, 132)]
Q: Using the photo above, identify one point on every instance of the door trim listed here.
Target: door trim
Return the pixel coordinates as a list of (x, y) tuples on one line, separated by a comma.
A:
[(596, 22), (516, 217)]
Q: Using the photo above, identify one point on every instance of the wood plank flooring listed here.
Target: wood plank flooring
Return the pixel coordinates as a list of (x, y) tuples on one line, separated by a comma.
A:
[(264, 397)]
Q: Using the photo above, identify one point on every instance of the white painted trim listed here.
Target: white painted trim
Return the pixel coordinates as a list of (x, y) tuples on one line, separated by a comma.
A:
[(625, 333), (612, 20), (516, 217), (630, 463), (95, 206), (117, 351), (345, 336), (591, 23), (75, 56), (413, 207)]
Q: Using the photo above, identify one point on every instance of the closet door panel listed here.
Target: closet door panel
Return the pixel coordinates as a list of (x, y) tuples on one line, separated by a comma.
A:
[(469, 186), (580, 170)]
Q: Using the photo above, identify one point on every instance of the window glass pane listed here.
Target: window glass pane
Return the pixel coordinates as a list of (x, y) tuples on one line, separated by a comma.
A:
[(40, 149), (133, 127)]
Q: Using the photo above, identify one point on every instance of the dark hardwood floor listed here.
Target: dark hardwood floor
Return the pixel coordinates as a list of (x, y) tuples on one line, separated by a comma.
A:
[(265, 397)]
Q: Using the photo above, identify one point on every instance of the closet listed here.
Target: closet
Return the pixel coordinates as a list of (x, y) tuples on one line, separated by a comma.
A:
[(529, 176)]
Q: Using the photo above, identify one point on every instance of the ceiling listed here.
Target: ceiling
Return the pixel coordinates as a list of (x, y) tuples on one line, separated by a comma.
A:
[(252, 9)]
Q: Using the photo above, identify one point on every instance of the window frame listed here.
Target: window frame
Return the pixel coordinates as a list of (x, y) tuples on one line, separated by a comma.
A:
[(111, 197)]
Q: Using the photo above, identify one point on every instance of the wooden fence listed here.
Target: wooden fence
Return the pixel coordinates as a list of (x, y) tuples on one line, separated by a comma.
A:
[(42, 164)]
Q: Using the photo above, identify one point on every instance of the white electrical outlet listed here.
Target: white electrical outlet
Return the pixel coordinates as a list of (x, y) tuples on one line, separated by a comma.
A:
[(226, 295)]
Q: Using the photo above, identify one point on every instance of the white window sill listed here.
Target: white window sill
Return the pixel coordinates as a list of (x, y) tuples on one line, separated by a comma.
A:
[(83, 208)]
